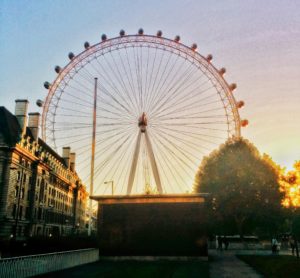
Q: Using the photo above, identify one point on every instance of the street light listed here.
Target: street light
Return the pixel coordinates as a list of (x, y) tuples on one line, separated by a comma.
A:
[(77, 228), (18, 201), (112, 186)]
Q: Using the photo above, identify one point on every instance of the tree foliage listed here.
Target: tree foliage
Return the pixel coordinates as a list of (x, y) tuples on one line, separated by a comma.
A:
[(243, 186), (290, 185)]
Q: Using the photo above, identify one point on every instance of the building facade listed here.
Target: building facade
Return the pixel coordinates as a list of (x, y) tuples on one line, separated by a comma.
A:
[(40, 191)]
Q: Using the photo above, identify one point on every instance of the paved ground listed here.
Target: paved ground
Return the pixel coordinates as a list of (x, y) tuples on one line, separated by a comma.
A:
[(136, 269), (225, 264)]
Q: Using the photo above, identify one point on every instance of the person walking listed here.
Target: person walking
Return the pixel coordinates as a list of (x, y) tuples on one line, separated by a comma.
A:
[(226, 242), (220, 243), (292, 244), (274, 245)]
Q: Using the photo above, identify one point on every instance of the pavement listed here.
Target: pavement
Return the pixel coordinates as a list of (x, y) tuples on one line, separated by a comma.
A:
[(225, 264)]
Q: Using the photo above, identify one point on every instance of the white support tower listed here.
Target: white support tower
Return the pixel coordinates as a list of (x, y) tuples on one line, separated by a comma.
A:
[(143, 130)]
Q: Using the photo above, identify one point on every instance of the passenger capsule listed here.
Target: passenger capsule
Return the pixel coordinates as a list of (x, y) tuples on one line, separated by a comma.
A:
[(122, 33), (57, 69), (244, 123), (159, 33), (141, 31), (71, 55), (103, 37), (222, 71), (86, 45), (47, 85), (209, 57), (194, 46), (232, 86), (177, 39), (240, 104), (39, 103)]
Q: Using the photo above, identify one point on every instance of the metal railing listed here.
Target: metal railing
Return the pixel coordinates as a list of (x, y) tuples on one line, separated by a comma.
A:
[(26, 266)]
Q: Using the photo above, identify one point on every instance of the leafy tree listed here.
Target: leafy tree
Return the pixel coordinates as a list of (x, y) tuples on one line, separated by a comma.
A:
[(245, 193), (290, 185)]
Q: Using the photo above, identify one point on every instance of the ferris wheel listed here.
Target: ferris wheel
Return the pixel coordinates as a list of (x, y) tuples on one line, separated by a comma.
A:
[(159, 108)]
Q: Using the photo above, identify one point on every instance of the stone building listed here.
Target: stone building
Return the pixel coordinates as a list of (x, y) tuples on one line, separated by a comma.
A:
[(40, 191)]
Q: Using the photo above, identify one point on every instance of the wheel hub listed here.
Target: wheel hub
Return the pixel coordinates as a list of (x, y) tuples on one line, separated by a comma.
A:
[(143, 122)]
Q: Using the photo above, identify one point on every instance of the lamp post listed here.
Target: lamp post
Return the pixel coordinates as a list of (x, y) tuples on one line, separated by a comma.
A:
[(77, 228), (112, 186), (18, 200), (93, 153)]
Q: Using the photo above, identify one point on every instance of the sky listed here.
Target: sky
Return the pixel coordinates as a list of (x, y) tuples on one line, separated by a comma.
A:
[(258, 42)]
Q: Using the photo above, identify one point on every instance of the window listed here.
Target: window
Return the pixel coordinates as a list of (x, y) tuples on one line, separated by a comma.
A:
[(16, 191), (20, 212), (14, 211), (26, 231), (18, 176), (27, 213), (39, 213), (28, 195), (22, 193)]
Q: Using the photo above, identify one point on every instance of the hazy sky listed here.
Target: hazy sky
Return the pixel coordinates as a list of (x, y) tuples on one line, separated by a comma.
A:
[(257, 41)]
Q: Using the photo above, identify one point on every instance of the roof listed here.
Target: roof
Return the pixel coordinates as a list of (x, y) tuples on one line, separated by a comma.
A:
[(48, 149), (158, 198), (12, 132), (9, 127)]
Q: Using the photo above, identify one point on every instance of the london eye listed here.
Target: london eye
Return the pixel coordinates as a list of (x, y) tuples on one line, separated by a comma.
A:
[(161, 107)]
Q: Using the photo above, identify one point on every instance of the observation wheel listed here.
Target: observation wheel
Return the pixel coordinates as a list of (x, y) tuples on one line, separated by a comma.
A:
[(160, 107)]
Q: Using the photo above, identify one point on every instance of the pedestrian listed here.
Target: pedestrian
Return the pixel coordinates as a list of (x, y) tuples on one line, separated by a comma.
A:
[(274, 245), (292, 244), (295, 242), (296, 247), (226, 242), (220, 243)]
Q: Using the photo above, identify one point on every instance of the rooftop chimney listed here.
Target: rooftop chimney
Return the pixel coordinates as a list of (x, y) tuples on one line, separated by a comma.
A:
[(21, 113), (33, 124), (72, 161), (66, 155)]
